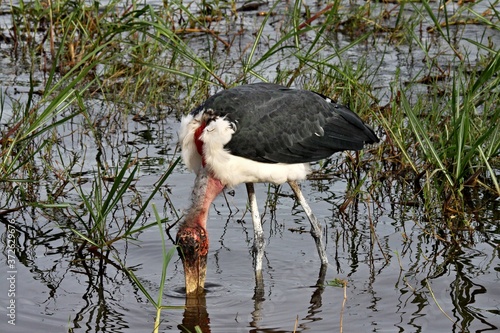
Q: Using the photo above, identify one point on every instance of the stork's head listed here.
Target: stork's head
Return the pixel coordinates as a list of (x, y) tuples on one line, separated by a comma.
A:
[(193, 249), (192, 236)]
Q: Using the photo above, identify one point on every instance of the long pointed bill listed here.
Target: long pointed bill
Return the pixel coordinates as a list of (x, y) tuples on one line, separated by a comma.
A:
[(193, 243)]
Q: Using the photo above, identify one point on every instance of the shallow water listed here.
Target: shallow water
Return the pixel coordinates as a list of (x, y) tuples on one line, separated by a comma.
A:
[(398, 278), (399, 275)]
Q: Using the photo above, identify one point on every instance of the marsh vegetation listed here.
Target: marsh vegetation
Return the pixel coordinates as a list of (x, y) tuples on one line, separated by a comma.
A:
[(91, 183)]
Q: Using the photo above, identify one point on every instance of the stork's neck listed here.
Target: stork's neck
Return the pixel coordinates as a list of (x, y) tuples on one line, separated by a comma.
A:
[(206, 188)]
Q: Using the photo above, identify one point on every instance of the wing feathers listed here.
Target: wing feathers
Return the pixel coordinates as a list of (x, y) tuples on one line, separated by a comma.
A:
[(280, 125)]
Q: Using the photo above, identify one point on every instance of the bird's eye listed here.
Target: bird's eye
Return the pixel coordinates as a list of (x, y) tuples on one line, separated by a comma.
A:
[(209, 116), (233, 126)]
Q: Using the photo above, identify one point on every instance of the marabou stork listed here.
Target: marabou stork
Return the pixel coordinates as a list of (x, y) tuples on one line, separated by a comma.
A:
[(257, 133)]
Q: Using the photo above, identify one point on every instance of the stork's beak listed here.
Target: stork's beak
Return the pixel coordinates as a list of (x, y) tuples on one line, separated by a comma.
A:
[(193, 249)]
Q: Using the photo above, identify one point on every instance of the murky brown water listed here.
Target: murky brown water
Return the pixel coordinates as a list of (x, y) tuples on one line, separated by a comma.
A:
[(399, 277)]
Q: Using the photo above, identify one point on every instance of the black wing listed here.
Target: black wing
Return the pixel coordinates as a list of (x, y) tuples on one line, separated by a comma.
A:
[(277, 124)]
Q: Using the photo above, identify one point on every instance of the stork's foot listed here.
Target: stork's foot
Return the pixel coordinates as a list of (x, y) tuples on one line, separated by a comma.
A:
[(316, 230)]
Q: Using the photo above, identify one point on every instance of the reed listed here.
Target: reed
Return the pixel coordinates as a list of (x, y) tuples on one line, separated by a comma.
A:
[(455, 128)]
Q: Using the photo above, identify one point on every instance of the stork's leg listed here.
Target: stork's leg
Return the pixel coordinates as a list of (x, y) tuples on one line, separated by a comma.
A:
[(315, 226), (258, 239)]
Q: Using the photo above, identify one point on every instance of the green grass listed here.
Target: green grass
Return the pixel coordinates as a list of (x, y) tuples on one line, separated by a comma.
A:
[(455, 130), (167, 256)]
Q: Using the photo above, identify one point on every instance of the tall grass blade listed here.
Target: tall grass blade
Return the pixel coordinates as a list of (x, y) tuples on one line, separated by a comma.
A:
[(249, 65), (423, 139), (167, 255), (159, 184)]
